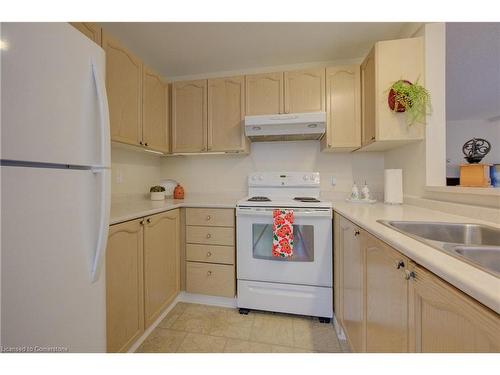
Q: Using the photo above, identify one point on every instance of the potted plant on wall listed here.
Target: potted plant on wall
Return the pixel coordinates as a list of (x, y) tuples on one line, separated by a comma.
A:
[(411, 98)]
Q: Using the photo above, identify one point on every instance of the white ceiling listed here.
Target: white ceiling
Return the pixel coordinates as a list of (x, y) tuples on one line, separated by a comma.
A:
[(182, 49), (472, 71)]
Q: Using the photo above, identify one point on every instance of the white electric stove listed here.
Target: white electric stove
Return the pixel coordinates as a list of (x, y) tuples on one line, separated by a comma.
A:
[(301, 284)]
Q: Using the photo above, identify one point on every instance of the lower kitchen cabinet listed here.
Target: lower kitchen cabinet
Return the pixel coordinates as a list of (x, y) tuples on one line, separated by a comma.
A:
[(161, 263), (210, 251), (352, 284), (443, 319), (124, 285), (386, 297), (386, 303), (142, 275)]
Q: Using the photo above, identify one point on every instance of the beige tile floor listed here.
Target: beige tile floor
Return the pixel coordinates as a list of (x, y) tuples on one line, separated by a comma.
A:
[(193, 328)]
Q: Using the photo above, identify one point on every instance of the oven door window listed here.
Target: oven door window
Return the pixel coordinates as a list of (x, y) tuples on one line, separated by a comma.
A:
[(303, 244)]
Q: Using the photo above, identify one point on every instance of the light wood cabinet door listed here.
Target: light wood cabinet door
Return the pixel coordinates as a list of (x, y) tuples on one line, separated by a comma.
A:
[(226, 114), (264, 94), (90, 30), (305, 90), (386, 297), (353, 285), (124, 88), (443, 319), (154, 112), (343, 109), (161, 263), (189, 116), (368, 99), (124, 285)]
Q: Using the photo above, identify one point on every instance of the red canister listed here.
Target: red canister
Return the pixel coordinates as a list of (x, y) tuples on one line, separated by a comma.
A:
[(179, 192)]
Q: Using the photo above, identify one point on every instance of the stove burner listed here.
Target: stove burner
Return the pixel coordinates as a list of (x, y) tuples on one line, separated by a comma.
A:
[(306, 199), (259, 199)]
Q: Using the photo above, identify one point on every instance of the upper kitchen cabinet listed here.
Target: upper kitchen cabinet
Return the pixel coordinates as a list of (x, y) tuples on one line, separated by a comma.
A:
[(226, 113), (343, 102), (124, 87), (264, 94), (189, 116), (89, 29), (305, 90), (443, 319), (155, 112), (388, 62)]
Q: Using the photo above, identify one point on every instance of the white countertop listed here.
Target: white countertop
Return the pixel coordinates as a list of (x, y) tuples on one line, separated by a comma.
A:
[(479, 284), (134, 206)]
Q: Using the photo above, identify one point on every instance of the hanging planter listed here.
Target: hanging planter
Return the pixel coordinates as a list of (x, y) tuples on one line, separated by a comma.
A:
[(411, 98)]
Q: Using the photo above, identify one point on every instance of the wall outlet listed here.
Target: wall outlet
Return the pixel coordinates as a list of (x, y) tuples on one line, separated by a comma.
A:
[(334, 181)]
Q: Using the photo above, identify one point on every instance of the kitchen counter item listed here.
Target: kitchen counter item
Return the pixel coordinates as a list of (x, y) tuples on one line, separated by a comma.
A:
[(179, 192), (169, 185), (393, 186)]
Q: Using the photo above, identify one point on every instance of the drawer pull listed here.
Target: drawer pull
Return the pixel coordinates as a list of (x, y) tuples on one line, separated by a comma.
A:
[(209, 254), (208, 217), (209, 273), (209, 235)]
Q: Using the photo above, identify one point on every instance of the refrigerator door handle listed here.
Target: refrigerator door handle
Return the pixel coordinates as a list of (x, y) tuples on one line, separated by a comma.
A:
[(103, 115), (104, 213)]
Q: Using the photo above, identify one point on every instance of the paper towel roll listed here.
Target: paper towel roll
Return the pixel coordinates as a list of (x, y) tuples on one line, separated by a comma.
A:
[(393, 186)]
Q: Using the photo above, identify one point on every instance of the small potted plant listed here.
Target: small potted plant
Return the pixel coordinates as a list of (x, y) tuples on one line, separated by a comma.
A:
[(412, 98), (157, 193)]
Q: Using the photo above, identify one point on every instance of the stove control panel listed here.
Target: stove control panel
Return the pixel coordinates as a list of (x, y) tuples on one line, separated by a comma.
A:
[(289, 179)]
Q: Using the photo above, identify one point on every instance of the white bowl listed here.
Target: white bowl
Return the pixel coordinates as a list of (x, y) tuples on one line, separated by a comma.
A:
[(157, 195)]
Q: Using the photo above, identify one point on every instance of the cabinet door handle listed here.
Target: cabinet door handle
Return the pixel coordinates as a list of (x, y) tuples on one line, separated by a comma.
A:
[(356, 232), (148, 221), (408, 275), (209, 273), (373, 138), (400, 264), (209, 217), (209, 235), (140, 142), (146, 144), (141, 222), (209, 254)]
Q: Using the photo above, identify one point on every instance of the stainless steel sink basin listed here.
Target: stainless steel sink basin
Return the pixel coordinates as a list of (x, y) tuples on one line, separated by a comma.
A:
[(476, 244), (467, 234), (488, 257)]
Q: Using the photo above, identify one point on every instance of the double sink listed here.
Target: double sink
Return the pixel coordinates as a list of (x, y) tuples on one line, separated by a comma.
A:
[(476, 244)]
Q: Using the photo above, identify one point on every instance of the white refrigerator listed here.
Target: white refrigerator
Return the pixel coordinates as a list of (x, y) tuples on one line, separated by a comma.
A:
[(55, 189)]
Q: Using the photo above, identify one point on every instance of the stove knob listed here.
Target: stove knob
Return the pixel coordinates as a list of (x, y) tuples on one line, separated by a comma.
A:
[(305, 177), (254, 178), (312, 177), (261, 178)]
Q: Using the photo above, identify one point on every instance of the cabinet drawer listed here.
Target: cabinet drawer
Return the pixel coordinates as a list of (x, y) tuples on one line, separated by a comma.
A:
[(210, 235), (210, 253), (217, 217), (211, 279)]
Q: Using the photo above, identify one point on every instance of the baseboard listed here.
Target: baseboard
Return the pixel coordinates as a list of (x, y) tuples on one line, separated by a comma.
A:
[(151, 328), (206, 300)]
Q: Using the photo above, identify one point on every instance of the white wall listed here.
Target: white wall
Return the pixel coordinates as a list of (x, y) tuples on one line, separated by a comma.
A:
[(138, 171), (458, 132), (228, 173)]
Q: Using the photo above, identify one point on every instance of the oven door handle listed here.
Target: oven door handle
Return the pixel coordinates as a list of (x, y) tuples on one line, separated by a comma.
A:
[(268, 212)]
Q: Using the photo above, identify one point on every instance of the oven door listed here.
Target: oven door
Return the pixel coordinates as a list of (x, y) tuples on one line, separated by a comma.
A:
[(311, 263)]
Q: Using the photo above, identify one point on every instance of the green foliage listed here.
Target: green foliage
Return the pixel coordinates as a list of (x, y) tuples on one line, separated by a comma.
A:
[(414, 98), (156, 189)]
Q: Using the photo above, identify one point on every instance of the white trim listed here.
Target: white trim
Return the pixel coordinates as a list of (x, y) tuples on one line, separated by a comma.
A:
[(152, 327), (491, 191), (206, 300), (435, 80)]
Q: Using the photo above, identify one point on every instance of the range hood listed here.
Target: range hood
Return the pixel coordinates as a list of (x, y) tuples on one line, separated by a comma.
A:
[(286, 127)]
